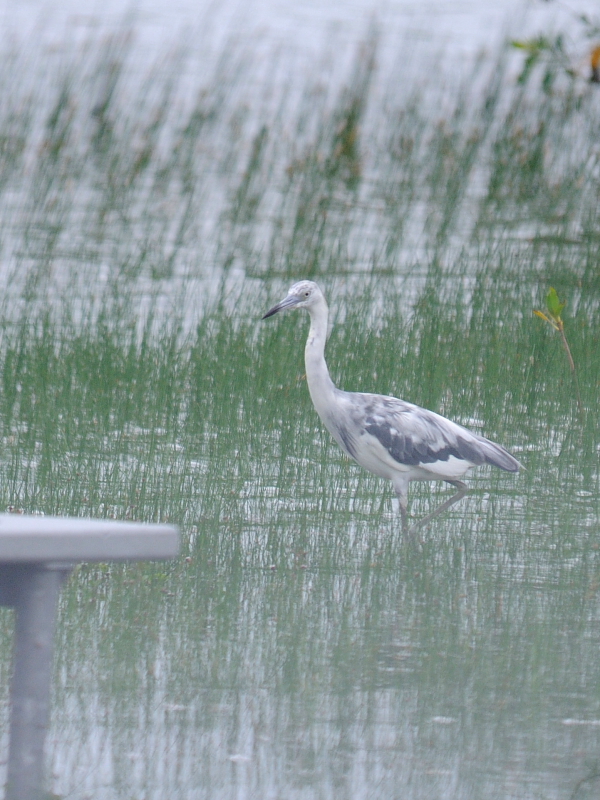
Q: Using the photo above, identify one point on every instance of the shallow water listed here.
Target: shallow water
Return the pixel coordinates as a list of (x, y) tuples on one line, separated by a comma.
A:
[(299, 648)]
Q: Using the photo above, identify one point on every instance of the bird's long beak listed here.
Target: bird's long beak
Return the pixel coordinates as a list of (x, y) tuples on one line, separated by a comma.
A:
[(290, 301)]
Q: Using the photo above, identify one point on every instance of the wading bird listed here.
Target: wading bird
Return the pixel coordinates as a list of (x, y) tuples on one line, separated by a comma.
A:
[(391, 438)]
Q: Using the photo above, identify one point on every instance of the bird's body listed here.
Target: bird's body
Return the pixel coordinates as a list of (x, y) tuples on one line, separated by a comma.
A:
[(394, 439)]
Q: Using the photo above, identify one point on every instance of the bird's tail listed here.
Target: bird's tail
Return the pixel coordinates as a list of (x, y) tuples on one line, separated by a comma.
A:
[(497, 456)]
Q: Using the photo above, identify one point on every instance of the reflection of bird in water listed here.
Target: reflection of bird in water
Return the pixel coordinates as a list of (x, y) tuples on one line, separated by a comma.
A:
[(391, 438)]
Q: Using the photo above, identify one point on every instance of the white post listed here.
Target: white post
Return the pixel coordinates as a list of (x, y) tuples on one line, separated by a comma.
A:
[(35, 595)]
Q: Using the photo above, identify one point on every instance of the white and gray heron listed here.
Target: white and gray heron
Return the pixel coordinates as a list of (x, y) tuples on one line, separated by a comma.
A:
[(391, 438)]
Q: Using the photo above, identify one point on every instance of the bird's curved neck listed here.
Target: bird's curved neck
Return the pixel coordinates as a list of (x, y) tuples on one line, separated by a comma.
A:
[(320, 385)]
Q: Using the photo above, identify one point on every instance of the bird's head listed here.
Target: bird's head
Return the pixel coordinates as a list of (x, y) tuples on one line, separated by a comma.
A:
[(304, 294)]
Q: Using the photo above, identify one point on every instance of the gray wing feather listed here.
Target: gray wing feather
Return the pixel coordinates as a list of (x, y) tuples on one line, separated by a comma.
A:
[(413, 435)]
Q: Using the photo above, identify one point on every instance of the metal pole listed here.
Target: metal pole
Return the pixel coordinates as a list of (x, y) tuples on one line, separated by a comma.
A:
[(35, 600)]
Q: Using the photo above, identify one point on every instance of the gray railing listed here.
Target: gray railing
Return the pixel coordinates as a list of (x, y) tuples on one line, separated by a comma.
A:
[(36, 554)]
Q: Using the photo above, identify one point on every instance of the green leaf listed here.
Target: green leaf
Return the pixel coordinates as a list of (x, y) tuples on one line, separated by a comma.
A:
[(553, 303)]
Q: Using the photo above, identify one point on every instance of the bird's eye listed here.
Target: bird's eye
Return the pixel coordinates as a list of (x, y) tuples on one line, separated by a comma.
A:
[(306, 294)]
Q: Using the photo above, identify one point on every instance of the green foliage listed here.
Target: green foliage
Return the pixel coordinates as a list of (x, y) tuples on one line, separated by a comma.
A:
[(549, 55), (554, 319)]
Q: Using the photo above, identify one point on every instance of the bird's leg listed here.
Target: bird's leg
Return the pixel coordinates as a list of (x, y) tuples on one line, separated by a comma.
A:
[(462, 490), (402, 495)]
